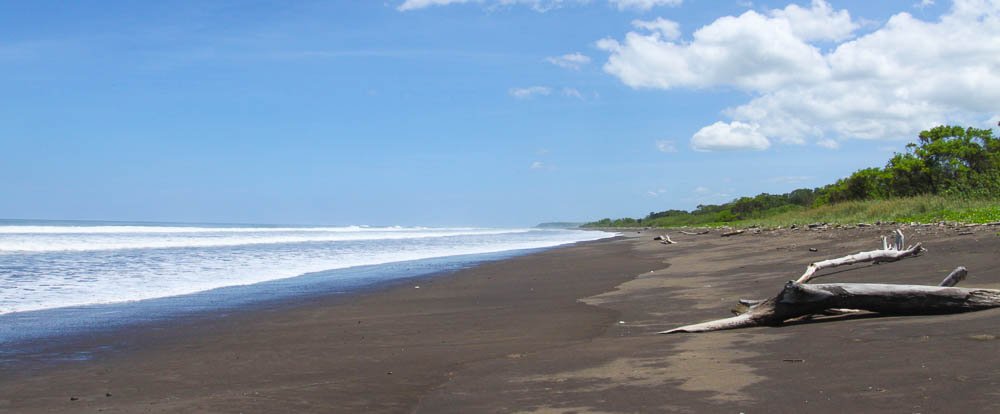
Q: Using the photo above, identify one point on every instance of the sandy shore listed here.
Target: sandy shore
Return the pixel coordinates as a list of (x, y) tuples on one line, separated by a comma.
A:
[(566, 330)]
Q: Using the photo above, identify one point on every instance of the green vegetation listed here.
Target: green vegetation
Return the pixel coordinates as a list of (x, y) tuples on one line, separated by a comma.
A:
[(950, 174)]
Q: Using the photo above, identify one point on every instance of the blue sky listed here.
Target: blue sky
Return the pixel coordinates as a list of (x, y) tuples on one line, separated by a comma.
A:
[(444, 112)]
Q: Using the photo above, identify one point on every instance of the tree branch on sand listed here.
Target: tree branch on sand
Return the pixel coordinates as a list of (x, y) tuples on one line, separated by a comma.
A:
[(665, 239), (798, 299)]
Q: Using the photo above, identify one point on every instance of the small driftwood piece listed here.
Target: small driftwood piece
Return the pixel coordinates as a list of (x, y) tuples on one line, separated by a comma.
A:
[(692, 233), (798, 299), (665, 239), (733, 233), (955, 277)]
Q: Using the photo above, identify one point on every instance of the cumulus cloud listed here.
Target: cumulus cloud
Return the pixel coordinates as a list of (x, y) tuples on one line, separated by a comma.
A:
[(809, 75), (818, 22), (736, 135), (569, 60), (643, 5), (531, 91), (749, 52)]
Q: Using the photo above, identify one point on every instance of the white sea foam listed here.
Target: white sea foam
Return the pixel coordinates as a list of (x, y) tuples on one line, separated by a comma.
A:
[(48, 268), (50, 239), (96, 229)]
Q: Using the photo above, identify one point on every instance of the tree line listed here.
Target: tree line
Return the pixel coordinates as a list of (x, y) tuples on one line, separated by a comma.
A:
[(951, 161)]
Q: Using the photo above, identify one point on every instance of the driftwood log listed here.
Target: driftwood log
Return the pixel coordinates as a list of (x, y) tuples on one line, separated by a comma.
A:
[(694, 233), (798, 299), (733, 233), (665, 239)]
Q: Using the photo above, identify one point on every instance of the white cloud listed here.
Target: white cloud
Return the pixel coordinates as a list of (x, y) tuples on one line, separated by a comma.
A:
[(655, 193), (569, 60), (749, 52), (828, 143), (902, 76), (539, 165), (643, 5), (531, 91), (731, 136), (669, 29), (572, 93), (924, 4), (538, 5), (704, 195), (994, 120), (818, 22), (419, 4), (666, 146)]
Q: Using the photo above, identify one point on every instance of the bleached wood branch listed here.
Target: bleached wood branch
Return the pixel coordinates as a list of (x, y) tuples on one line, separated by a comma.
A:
[(665, 239), (886, 254), (692, 233), (874, 256)]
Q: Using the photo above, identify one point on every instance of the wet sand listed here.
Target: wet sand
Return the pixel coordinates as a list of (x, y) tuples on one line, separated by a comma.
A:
[(565, 330)]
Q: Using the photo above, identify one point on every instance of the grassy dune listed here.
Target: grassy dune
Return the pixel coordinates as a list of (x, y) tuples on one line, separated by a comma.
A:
[(922, 209)]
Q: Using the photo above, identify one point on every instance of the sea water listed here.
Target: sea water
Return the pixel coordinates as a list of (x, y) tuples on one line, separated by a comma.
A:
[(46, 265)]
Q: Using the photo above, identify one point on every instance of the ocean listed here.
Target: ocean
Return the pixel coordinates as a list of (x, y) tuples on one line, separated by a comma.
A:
[(67, 275)]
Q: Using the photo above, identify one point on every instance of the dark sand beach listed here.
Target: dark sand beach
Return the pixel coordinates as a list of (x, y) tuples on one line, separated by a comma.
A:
[(568, 330)]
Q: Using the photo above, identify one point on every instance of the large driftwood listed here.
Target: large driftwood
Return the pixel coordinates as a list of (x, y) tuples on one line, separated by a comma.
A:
[(693, 233), (797, 299)]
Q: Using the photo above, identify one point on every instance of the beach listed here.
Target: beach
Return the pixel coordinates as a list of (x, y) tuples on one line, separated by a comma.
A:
[(565, 330)]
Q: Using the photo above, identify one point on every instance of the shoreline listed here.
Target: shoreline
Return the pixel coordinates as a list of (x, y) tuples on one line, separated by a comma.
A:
[(568, 329), (50, 336), (121, 347)]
